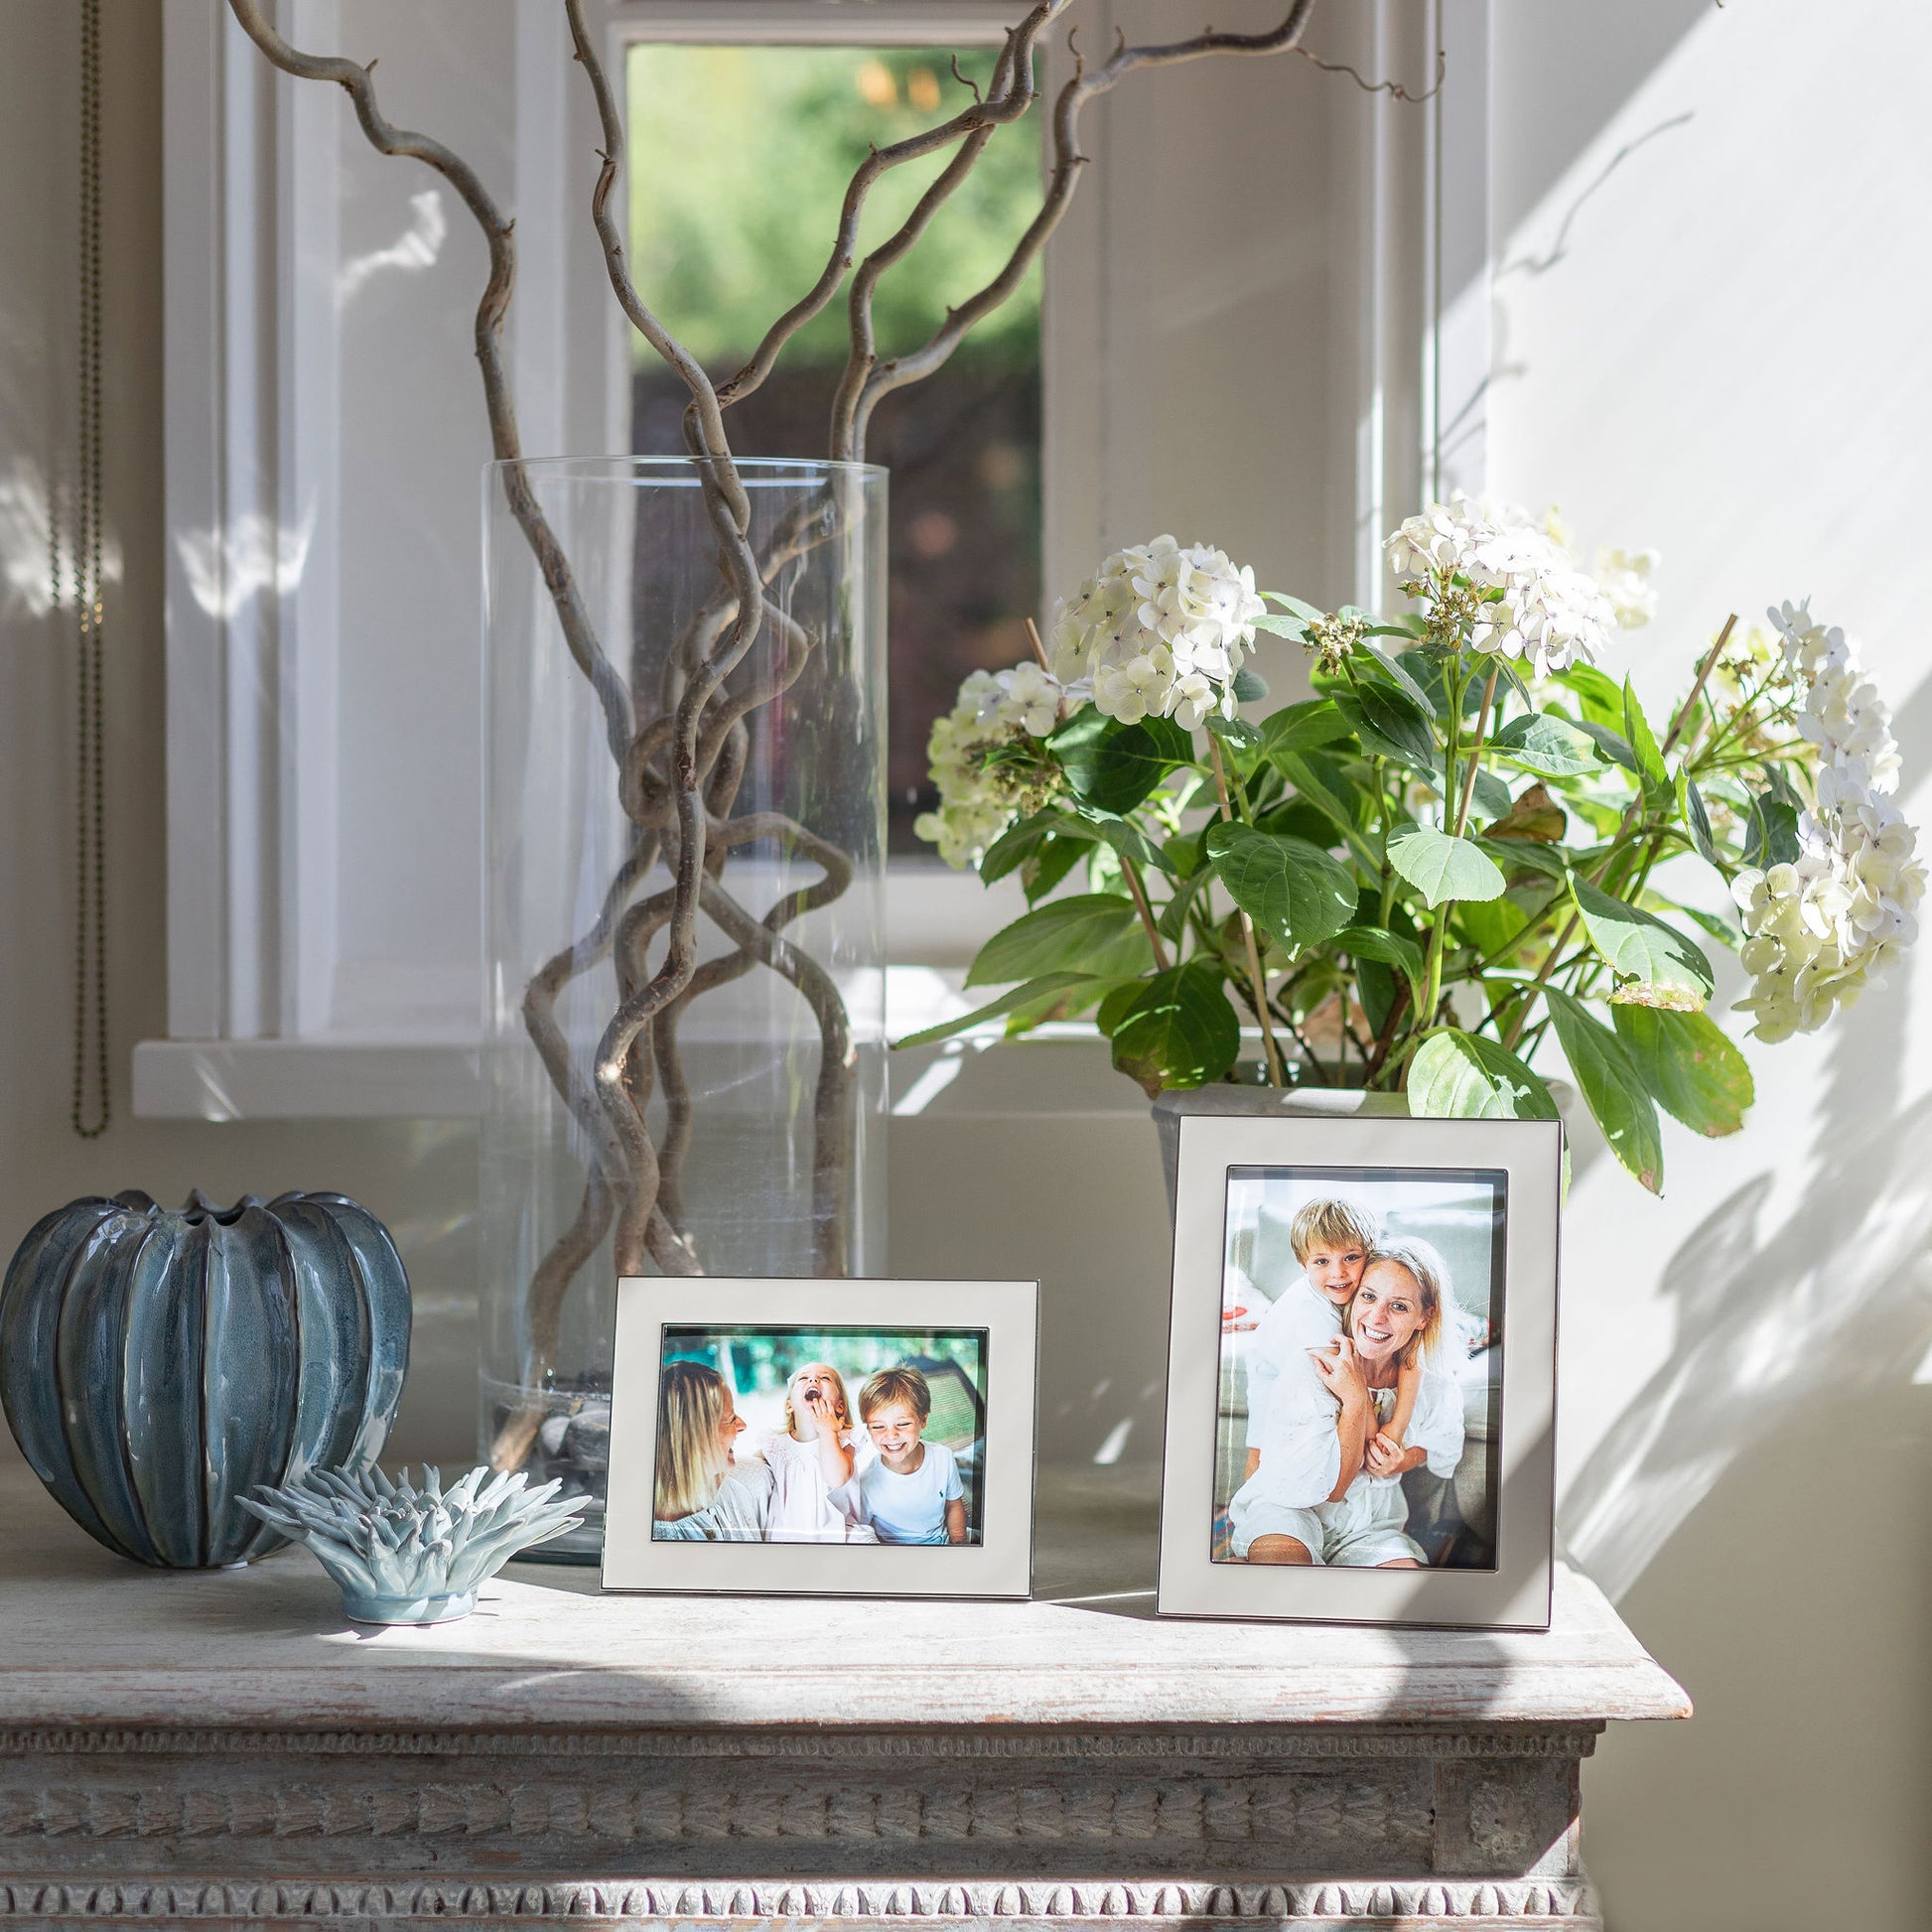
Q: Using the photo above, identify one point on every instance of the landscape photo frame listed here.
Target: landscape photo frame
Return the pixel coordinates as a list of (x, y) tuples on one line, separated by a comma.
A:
[(739, 1405)]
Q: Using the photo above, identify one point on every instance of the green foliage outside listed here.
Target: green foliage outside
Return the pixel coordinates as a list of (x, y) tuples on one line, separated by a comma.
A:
[(762, 1360), (740, 160)]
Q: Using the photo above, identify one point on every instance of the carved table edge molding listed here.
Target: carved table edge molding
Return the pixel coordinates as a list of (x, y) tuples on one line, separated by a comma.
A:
[(1512, 1902), (1506, 1739)]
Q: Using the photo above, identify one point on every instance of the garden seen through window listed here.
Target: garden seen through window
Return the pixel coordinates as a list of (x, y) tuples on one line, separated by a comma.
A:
[(712, 130)]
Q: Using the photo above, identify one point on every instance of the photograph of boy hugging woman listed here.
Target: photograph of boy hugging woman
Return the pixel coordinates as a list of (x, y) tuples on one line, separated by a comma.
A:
[(911, 1491), (1296, 1368), (1332, 1240)]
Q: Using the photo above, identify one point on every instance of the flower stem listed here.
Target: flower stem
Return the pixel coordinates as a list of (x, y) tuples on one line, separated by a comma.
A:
[(1453, 683), (1456, 684), (1273, 1051), (1705, 669), (1136, 885), (1385, 1039), (1482, 731), (1522, 1013)]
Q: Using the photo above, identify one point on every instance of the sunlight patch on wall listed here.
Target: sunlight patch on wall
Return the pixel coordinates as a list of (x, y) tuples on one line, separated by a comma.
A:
[(225, 568), (414, 250)]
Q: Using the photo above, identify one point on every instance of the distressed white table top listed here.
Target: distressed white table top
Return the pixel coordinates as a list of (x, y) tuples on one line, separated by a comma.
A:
[(87, 1638)]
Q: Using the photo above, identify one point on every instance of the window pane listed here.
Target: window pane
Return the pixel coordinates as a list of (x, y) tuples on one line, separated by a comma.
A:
[(740, 159)]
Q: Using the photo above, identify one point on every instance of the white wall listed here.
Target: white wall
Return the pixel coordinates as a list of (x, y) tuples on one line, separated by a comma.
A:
[(1710, 338), (1726, 361)]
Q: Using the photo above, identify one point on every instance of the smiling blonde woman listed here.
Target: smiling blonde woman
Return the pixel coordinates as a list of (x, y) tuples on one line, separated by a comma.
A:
[(700, 1492), (1333, 1493)]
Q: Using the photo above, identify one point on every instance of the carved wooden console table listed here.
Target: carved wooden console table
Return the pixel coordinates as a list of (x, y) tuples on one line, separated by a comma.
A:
[(208, 1749)]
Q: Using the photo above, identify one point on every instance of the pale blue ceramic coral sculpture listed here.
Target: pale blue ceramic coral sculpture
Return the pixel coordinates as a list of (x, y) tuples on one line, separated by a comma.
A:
[(401, 1555)]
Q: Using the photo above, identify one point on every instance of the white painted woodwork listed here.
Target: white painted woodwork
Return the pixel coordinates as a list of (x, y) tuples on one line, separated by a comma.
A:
[(325, 437), (222, 1746)]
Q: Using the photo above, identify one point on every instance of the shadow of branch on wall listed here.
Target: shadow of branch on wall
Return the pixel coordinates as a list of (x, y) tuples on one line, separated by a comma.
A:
[(1784, 1293), (1780, 1296)]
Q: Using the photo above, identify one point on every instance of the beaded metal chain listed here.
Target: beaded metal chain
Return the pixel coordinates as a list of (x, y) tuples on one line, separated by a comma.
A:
[(90, 1057)]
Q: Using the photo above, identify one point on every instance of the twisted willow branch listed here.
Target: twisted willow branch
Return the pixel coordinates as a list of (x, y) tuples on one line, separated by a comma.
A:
[(761, 941), (730, 514), (680, 770), (1007, 97), (607, 1182), (868, 380)]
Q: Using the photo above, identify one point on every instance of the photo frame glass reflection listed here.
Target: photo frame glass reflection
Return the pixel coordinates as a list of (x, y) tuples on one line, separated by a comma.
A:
[(840, 1436), (1389, 1281)]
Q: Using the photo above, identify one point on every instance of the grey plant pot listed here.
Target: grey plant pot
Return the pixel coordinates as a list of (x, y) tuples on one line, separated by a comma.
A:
[(157, 1364), (1243, 1100)]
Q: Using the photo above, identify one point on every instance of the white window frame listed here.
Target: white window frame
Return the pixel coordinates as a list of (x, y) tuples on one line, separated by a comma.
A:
[(251, 401)]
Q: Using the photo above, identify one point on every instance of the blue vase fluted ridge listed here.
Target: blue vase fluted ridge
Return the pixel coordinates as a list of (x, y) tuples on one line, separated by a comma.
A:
[(156, 1364)]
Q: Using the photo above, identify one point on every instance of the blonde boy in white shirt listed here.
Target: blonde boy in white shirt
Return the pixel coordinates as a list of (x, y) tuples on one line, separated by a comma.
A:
[(1332, 1240), (911, 1491)]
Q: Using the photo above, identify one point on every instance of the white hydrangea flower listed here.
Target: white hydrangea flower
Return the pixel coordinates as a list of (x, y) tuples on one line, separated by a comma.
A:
[(1194, 700), (977, 804), (1160, 631), (971, 813), (1842, 713), (1821, 929), (1550, 614), (1132, 690), (1625, 579), (1549, 617), (1094, 620), (1032, 699)]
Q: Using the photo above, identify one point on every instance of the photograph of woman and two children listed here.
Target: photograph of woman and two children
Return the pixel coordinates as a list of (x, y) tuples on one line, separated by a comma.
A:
[(820, 1436), (1360, 1368)]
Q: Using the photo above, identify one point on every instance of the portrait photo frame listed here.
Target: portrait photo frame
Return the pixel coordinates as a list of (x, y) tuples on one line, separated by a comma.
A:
[(1432, 1241), (951, 1365)]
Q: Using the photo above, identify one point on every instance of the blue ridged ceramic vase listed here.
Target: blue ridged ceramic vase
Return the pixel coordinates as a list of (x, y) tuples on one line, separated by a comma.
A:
[(157, 1365)]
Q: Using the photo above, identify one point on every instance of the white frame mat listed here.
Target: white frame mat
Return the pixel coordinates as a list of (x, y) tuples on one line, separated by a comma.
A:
[(1000, 1565), (1515, 1596)]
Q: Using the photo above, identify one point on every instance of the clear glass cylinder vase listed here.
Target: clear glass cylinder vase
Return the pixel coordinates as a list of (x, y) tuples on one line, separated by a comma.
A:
[(684, 1062)]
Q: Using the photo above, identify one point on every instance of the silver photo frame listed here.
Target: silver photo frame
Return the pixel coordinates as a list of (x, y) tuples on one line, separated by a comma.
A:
[(655, 1313), (1515, 1164)]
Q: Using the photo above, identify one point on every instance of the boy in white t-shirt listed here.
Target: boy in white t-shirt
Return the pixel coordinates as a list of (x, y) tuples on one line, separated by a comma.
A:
[(911, 1492), (1332, 1240)]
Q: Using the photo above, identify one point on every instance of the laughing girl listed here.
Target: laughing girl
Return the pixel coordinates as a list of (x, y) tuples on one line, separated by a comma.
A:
[(816, 1460)]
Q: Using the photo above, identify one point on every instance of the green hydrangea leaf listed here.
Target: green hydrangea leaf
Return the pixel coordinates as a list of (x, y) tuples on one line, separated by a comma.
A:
[(1458, 1076), (1549, 745), (1691, 802), (1691, 1066), (1048, 987), (1019, 843), (1302, 727), (1115, 768), (1612, 1085), (1096, 933), (1387, 948), (1441, 867), (1659, 965), (1387, 720), (1643, 742), (1178, 1031), (1296, 893)]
